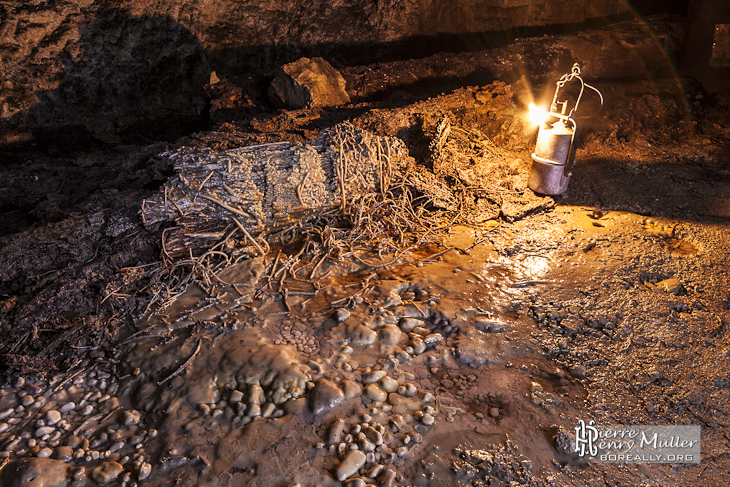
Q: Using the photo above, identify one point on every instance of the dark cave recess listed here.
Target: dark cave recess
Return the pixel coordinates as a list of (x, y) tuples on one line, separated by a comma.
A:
[(651, 7)]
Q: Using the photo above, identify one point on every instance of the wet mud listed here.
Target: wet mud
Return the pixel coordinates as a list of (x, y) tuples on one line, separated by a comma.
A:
[(461, 367)]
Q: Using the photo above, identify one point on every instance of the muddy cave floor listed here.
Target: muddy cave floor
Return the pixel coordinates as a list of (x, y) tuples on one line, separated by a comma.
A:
[(459, 369)]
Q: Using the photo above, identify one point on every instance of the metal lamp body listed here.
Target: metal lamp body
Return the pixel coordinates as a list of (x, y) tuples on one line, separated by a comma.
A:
[(553, 158)]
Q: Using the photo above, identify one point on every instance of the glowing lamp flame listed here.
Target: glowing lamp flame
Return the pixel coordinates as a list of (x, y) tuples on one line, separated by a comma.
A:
[(537, 115)]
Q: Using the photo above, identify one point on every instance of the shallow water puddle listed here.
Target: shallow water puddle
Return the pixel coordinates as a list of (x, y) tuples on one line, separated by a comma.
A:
[(355, 376)]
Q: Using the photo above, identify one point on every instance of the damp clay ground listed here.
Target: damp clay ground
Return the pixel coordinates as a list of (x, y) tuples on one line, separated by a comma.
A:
[(461, 359)]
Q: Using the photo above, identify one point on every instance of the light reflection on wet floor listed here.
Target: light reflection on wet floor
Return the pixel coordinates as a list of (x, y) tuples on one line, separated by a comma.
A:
[(405, 355)]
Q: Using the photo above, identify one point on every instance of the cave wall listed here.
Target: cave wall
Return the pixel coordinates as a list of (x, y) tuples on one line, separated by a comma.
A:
[(107, 64)]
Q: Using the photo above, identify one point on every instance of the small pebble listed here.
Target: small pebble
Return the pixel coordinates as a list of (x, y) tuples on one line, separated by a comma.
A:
[(64, 453), (374, 377), (353, 462), (375, 393), (253, 410), (256, 395), (106, 472), (389, 384), (433, 339), (375, 471), (69, 406), (418, 346), (268, 409), (144, 471), (373, 435), (45, 453), (79, 473), (44, 430), (408, 324), (390, 335), (366, 445), (387, 478), (73, 441), (410, 390), (53, 417)]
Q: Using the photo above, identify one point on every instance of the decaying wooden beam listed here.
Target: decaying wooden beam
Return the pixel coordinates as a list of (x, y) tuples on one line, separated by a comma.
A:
[(266, 186)]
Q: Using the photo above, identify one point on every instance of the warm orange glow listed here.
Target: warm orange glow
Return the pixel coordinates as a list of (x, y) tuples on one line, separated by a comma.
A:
[(537, 115)]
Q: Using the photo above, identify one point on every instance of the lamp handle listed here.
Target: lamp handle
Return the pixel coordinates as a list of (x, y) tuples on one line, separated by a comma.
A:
[(574, 74)]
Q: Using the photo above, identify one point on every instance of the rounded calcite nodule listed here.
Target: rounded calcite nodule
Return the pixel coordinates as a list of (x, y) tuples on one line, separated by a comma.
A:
[(325, 395), (350, 465)]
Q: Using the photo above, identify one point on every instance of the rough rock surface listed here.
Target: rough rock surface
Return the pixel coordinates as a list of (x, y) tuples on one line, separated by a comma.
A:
[(74, 64), (103, 64), (308, 83), (565, 443)]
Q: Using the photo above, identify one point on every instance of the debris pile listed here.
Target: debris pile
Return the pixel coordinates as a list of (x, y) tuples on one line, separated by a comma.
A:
[(371, 181), (485, 181)]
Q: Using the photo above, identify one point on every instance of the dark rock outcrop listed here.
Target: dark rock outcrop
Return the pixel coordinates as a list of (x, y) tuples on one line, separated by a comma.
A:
[(104, 71), (108, 65)]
